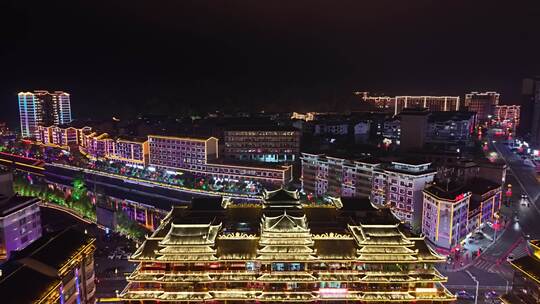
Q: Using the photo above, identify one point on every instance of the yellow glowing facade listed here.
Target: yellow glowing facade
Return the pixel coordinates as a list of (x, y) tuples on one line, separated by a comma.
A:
[(281, 252), (526, 282)]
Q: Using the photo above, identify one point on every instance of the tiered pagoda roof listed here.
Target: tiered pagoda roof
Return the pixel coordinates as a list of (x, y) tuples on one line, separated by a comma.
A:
[(281, 199), (285, 237), (388, 244), (231, 257)]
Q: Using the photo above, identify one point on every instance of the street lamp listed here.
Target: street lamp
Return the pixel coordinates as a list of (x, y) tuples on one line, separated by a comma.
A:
[(477, 286)]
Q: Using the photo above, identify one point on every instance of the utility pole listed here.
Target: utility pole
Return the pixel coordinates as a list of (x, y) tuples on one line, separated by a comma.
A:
[(477, 286)]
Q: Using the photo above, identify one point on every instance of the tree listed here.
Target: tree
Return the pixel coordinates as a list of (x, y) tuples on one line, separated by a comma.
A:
[(79, 188), (129, 227)]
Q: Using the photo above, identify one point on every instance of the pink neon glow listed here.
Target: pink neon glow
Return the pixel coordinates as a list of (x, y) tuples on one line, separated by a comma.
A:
[(333, 290)]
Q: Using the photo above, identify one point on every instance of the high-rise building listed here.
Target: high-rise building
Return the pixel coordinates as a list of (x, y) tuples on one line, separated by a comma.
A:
[(484, 104), (395, 105), (42, 108), (284, 251), (508, 116), (400, 186), (531, 110), (414, 126), (57, 268)]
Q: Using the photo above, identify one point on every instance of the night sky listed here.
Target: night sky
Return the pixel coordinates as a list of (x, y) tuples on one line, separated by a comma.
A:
[(123, 57)]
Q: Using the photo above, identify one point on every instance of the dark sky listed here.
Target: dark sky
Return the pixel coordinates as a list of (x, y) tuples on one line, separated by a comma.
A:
[(118, 56)]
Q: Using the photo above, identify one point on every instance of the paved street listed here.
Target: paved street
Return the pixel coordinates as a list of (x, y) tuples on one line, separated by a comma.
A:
[(492, 269)]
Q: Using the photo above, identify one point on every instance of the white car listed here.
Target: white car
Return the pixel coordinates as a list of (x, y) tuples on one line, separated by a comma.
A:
[(510, 257)]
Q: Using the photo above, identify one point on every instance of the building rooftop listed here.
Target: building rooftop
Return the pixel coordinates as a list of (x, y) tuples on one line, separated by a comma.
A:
[(481, 185), (415, 112), (261, 128), (9, 205), (450, 115), (335, 233), (412, 161), (38, 268), (451, 191), (55, 249), (247, 165)]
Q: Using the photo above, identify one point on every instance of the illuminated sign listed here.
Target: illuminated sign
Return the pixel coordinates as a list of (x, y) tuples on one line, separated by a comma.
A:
[(333, 292)]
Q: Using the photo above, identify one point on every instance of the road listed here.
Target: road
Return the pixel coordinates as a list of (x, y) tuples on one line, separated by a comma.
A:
[(492, 269)]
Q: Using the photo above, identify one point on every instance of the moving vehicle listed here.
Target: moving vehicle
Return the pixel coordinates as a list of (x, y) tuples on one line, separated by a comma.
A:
[(510, 257), (464, 295), (492, 294)]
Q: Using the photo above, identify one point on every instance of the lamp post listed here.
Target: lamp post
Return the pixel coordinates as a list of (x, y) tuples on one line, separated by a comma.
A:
[(477, 286)]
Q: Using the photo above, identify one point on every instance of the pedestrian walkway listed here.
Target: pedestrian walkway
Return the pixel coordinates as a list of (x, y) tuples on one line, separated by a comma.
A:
[(484, 264), (473, 248)]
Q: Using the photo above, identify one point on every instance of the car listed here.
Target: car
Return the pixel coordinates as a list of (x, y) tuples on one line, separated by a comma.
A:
[(510, 257), (492, 294), (464, 295), (111, 256), (479, 236)]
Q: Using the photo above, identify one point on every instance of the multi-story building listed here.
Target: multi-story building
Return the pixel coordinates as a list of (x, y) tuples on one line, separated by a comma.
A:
[(42, 108), (181, 152), (336, 176), (414, 126), (441, 127), (526, 282), (95, 145), (484, 104), (396, 104), (130, 151), (328, 127), (20, 220), (6, 135), (530, 122), (452, 211), (449, 126), (63, 136), (57, 268), (392, 129), (485, 202), (445, 217), (199, 156), (285, 251), (508, 115), (308, 116), (262, 144), (400, 187)]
